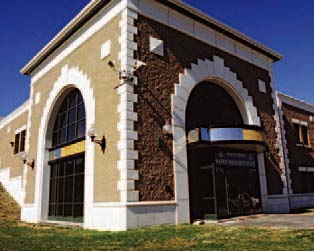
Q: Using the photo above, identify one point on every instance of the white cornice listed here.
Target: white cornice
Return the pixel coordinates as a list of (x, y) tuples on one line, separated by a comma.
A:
[(93, 6), (284, 98), (72, 25), (13, 115), (225, 27), (105, 16), (206, 30)]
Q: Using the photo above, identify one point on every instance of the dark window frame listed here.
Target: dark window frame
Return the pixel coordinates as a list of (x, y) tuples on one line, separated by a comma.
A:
[(19, 142), (66, 198), (302, 134), (70, 117), (59, 200)]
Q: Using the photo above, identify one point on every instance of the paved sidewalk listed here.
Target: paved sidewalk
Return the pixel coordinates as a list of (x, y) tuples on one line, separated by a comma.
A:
[(304, 220)]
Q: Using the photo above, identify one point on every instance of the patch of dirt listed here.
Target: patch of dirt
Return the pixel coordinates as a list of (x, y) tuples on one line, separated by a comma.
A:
[(9, 209)]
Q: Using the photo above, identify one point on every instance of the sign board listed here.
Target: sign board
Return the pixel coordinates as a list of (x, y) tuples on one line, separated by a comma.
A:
[(233, 159)]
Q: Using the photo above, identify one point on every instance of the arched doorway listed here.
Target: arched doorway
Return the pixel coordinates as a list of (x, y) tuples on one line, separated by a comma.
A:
[(223, 178), (65, 140)]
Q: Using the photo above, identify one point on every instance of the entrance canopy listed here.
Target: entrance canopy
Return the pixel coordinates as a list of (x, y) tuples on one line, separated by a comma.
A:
[(246, 138)]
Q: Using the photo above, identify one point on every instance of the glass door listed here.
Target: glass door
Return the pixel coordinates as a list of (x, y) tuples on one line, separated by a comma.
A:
[(66, 198), (207, 196), (222, 206), (243, 191)]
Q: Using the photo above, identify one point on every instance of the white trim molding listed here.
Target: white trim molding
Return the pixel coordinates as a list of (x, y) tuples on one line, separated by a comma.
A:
[(282, 145), (70, 77), (105, 16), (299, 122), (306, 169), (172, 18), (300, 104), (151, 10), (19, 130), (12, 185), (217, 72), (15, 114), (127, 116)]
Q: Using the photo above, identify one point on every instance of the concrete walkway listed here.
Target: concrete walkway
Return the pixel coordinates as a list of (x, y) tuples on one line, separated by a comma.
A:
[(304, 220)]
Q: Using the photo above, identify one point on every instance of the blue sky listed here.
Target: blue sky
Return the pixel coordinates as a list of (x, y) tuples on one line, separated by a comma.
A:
[(285, 26)]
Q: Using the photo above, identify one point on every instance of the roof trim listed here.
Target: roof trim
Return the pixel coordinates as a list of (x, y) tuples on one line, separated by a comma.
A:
[(298, 103), (14, 114), (90, 10), (95, 6), (219, 26)]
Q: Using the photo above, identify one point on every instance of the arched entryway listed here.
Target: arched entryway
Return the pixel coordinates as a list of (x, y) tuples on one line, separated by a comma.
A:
[(65, 141), (222, 172)]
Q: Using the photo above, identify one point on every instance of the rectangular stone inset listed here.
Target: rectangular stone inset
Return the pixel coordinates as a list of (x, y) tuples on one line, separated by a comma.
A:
[(105, 49)]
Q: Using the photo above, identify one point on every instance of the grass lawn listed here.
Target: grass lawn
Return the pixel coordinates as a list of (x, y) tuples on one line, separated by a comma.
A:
[(16, 236)]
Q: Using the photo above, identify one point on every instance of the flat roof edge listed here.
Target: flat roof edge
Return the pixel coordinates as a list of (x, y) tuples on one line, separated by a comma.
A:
[(295, 102), (95, 5), (85, 14), (271, 53), (14, 114)]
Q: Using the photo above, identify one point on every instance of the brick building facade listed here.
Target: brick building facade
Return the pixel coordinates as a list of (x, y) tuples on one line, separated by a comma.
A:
[(189, 123)]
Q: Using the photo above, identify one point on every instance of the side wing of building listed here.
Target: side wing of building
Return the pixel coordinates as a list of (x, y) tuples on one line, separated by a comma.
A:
[(13, 130), (297, 122)]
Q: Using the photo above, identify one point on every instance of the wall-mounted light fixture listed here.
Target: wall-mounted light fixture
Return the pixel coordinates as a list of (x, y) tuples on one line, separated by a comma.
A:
[(12, 143), (92, 133), (167, 133), (26, 161)]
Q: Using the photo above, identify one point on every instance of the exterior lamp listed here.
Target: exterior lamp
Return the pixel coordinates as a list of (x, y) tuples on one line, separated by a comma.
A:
[(12, 143), (30, 163), (167, 133), (92, 133), (167, 129)]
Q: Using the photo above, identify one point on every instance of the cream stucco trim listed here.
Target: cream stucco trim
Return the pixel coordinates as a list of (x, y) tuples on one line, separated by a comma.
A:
[(127, 116), (217, 72), (27, 142), (69, 77)]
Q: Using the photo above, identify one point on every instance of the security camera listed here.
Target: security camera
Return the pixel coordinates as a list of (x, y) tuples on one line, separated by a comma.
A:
[(138, 64)]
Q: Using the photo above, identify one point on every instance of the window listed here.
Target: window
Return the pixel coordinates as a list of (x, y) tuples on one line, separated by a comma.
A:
[(22, 143), (301, 134), (70, 120), (19, 142), (305, 135), (297, 133), (66, 198)]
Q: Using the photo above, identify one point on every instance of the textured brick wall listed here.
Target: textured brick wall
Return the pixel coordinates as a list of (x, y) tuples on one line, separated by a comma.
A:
[(156, 84), (298, 155)]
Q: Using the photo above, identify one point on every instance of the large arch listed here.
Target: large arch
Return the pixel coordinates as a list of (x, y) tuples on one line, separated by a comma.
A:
[(70, 77), (216, 72)]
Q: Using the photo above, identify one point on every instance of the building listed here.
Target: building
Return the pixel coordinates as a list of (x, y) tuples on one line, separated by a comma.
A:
[(147, 112)]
